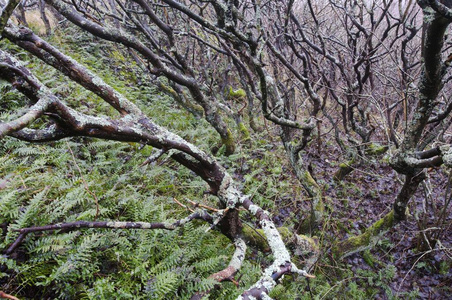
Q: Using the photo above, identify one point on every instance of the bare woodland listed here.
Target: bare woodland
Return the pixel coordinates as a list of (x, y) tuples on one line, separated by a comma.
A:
[(371, 76)]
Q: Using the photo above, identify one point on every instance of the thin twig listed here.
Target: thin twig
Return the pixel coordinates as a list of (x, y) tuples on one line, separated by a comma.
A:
[(411, 269), (201, 205), (183, 205)]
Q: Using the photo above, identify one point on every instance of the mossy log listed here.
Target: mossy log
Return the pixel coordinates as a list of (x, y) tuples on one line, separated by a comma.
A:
[(344, 169), (365, 240)]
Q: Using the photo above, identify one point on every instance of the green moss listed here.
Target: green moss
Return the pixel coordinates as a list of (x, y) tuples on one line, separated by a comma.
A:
[(313, 189), (118, 56), (285, 233), (309, 180), (345, 168), (229, 143), (236, 94), (376, 149), (255, 237), (244, 131), (346, 165), (319, 206), (364, 241), (315, 192)]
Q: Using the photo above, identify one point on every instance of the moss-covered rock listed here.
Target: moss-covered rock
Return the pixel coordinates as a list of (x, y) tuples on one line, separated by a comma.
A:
[(345, 168)]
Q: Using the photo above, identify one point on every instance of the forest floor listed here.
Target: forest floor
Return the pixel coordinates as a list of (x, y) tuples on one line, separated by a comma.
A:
[(414, 267)]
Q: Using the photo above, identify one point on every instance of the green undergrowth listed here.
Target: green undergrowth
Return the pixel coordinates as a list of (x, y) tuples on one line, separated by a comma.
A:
[(47, 184), (63, 182), (60, 182)]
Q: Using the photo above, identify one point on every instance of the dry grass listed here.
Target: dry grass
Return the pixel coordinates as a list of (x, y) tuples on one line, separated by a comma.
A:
[(35, 22)]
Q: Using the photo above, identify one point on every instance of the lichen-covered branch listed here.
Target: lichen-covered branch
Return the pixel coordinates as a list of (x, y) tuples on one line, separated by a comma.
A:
[(26, 39), (6, 13), (33, 113), (234, 264), (51, 133), (233, 267), (282, 263), (23, 232), (305, 249)]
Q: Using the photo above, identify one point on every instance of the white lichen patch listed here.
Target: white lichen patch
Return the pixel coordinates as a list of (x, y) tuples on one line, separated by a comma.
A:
[(85, 120), (269, 80), (411, 161), (275, 241), (268, 283), (446, 152), (228, 193), (239, 254), (253, 209), (429, 15), (266, 297), (116, 224), (12, 29), (265, 282), (165, 137), (5, 57), (120, 225)]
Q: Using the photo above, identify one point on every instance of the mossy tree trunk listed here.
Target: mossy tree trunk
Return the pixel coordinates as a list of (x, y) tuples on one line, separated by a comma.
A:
[(405, 161)]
